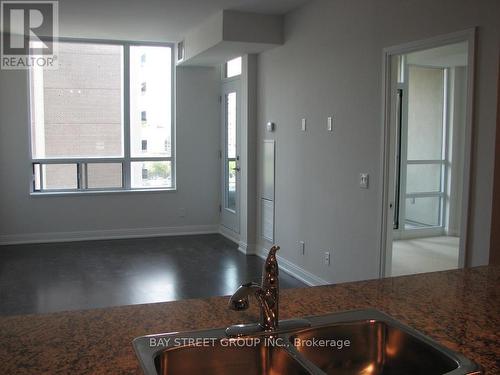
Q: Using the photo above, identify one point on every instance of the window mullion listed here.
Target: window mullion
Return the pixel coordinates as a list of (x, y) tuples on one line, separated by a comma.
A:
[(40, 171), (80, 183), (85, 176), (126, 116)]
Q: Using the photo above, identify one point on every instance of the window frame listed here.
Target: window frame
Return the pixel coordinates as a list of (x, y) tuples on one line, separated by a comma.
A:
[(126, 159)]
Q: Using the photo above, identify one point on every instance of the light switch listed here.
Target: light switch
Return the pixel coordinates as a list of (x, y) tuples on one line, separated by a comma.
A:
[(327, 258), (329, 124), (364, 180), (303, 125)]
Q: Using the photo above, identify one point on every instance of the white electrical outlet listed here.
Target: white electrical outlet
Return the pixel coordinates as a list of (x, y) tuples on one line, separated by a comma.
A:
[(182, 212), (302, 248), (327, 258)]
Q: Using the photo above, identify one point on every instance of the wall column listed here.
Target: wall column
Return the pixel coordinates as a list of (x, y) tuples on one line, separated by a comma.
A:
[(248, 154)]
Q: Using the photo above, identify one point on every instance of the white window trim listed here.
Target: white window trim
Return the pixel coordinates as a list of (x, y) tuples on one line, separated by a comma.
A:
[(127, 159)]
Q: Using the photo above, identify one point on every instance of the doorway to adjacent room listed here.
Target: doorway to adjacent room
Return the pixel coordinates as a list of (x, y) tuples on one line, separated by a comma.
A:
[(428, 102)]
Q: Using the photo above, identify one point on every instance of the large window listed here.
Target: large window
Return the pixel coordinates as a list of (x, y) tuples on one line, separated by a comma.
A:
[(426, 147), (103, 120)]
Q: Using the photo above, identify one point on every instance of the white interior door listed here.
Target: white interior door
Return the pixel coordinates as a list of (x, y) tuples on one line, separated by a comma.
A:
[(230, 115)]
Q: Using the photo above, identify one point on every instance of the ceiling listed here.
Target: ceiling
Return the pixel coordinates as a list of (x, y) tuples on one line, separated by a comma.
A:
[(152, 19)]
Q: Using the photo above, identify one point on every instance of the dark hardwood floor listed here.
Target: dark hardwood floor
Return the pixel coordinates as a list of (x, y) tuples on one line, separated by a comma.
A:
[(44, 278)]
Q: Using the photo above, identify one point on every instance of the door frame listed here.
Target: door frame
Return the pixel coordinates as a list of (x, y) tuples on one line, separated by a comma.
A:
[(232, 84), (468, 35), (495, 215)]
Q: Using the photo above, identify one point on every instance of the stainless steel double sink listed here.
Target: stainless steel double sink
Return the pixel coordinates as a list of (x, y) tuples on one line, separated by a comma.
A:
[(360, 342)]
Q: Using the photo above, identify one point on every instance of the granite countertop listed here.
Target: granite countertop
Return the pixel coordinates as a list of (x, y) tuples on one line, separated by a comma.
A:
[(460, 309)]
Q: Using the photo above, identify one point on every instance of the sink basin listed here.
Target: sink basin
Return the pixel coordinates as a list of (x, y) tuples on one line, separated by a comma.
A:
[(370, 347), (221, 359), (360, 342)]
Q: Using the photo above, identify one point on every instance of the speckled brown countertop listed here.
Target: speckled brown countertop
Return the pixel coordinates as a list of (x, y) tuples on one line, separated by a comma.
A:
[(460, 309)]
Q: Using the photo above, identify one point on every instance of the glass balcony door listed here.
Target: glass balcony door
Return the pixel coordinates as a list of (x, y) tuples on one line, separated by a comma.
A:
[(230, 110), (423, 167)]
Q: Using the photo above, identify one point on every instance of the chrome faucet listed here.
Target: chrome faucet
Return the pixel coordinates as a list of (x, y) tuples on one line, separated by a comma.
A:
[(267, 294)]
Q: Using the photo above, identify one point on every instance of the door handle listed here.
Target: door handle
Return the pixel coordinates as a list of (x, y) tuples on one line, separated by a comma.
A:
[(237, 169)]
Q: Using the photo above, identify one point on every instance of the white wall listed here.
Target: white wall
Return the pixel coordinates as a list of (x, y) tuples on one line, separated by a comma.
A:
[(31, 218), (331, 64)]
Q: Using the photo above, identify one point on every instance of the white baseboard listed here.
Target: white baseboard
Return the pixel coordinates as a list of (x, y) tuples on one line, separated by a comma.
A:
[(453, 232), (108, 234), (229, 234), (246, 248), (295, 271)]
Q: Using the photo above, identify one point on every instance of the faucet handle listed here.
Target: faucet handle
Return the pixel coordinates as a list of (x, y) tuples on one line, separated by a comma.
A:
[(239, 300), (239, 305)]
